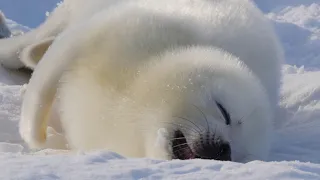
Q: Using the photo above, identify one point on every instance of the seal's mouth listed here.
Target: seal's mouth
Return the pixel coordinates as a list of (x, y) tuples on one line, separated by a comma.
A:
[(180, 147)]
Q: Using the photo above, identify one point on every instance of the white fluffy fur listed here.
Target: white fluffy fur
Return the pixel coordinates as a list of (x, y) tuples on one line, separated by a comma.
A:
[(32, 54), (127, 70)]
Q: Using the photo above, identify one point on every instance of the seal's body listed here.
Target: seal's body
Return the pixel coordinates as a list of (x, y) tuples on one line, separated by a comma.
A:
[(160, 79)]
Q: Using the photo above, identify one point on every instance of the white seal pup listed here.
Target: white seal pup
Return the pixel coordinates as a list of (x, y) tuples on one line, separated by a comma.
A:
[(161, 79)]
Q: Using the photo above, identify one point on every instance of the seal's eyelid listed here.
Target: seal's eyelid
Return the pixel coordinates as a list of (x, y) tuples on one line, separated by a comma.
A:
[(225, 113)]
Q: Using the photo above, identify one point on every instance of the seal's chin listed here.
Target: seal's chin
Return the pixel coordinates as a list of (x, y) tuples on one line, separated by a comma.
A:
[(180, 147)]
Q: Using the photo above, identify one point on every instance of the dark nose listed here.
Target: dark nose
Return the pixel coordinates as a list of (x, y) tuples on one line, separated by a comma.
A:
[(217, 151)]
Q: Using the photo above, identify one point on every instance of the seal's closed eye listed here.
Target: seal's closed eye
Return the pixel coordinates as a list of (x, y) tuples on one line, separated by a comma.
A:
[(225, 113)]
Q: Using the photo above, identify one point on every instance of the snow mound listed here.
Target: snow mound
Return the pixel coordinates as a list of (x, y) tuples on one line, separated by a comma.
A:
[(108, 165), (299, 31), (16, 29), (4, 30)]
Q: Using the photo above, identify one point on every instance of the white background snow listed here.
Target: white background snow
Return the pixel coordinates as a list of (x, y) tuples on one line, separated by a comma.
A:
[(296, 150)]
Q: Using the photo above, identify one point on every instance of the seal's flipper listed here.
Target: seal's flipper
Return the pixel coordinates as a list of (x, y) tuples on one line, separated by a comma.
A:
[(40, 94), (32, 54), (11, 48)]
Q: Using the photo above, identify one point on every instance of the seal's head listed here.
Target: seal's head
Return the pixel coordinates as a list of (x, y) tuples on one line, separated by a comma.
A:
[(210, 104)]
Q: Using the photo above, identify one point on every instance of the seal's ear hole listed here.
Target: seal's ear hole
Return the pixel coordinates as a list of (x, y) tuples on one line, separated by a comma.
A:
[(32, 54)]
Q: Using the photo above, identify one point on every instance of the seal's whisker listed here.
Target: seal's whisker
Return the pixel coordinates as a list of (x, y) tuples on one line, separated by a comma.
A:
[(204, 115), (179, 145), (181, 149), (183, 126), (245, 116), (188, 121), (147, 128), (177, 138), (191, 138), (215, 130)]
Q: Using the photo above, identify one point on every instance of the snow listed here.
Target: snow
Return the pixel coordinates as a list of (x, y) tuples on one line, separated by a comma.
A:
[(299, 30), (107, 165), (295, 153), (16, 29)]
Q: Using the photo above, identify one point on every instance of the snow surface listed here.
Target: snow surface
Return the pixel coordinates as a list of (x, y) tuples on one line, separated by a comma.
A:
[(295, 153)]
